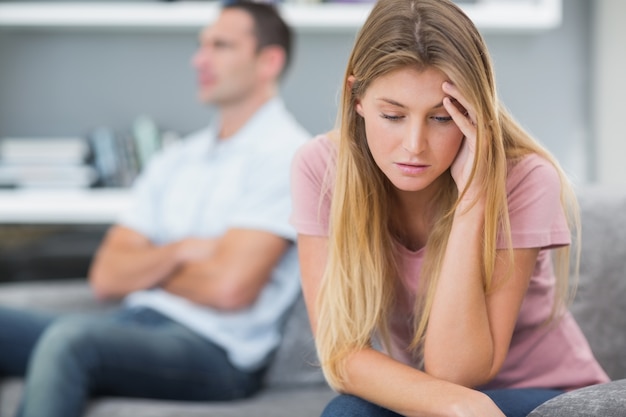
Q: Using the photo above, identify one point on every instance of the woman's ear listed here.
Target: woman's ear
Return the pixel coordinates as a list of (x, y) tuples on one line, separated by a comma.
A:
[(358, 107), (357, 101)]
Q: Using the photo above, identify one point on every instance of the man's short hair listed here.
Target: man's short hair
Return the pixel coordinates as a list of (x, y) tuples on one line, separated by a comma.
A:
[(270, 29)]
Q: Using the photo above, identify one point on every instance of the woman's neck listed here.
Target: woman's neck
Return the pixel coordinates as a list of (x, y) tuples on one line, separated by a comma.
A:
[(414, 214), (411, 223)]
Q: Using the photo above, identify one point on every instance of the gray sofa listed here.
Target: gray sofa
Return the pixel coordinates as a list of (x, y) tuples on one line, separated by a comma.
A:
[(295, 386)]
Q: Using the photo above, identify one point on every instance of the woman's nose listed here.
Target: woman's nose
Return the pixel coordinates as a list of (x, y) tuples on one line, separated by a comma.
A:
[(415, 141)]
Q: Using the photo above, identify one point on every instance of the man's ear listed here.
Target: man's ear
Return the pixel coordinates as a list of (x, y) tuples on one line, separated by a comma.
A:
[(357, 101), (272, 60)]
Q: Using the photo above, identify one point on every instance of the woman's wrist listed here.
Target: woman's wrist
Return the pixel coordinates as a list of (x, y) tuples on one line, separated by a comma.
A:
[(471, 206)]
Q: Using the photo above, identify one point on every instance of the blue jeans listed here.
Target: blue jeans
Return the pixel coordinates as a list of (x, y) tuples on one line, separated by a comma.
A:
[(512, 402), (130, 353)]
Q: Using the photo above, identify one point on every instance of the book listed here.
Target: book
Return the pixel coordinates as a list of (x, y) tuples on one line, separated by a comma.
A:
[(129, 166), (105, 161), (27, 162), (147, 139), (71, 150), (47, 176)]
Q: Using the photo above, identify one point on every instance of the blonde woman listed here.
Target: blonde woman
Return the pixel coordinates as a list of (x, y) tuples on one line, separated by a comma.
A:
[(427, 224)]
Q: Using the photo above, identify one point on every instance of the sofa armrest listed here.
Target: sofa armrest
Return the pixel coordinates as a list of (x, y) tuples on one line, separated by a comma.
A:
[(72, 295), (606, 400)]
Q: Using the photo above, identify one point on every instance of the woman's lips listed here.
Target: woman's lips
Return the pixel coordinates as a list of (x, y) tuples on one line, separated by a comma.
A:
[(410, 168)]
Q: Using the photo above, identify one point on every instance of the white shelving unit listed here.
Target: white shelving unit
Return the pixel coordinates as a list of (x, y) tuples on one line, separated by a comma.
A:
[(489, 15), (90, 206)]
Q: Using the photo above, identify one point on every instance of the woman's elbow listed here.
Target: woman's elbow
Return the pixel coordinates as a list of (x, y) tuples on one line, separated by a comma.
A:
[(471, 373)]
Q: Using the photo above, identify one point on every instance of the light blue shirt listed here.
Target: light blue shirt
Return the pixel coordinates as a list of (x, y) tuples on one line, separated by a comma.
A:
[(202, 187)]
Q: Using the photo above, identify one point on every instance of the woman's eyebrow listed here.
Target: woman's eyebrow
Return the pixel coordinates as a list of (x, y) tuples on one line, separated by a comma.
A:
[(397, 104), (392, 102)]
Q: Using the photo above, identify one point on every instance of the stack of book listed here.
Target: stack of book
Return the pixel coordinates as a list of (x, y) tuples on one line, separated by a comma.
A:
[(103, 158), (120, 157), (45, 162)]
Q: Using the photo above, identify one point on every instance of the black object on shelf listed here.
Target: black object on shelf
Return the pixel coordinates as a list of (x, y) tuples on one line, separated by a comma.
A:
[(47, 252)]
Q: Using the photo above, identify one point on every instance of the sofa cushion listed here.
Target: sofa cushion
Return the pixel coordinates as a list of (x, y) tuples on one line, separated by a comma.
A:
[(287, 402), (599, 307), (295, 362), (605, 400)]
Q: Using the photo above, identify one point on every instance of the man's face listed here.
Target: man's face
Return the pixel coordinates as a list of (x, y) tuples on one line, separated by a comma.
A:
[(227, 58)]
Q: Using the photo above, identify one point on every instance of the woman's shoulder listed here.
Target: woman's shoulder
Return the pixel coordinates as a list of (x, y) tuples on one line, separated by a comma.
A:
[(532, 168), (322, 145), (318, 151)]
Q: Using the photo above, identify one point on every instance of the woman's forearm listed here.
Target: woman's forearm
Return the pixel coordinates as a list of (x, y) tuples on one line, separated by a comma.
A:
[(458, 344), (379, 379)]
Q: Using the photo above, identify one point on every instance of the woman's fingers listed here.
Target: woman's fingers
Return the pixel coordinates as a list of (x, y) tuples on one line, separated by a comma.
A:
[(460, 110), (460, 116), (465, 118), (457, 107)]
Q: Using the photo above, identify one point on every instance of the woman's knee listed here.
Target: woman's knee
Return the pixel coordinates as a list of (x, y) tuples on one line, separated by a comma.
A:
[(351, 406)]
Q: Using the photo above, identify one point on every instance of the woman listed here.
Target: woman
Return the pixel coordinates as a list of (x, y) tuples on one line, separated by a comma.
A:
[(426, 224)]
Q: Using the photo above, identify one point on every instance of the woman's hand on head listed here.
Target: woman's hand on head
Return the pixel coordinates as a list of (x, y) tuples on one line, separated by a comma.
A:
[(465, 118)]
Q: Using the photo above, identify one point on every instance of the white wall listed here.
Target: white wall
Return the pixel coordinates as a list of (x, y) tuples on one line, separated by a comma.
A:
[(608, 55)]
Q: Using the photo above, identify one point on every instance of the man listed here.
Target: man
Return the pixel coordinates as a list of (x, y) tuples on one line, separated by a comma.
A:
[(204, 258)]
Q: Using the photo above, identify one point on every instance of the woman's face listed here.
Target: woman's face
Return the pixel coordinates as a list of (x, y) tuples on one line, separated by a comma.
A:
[(410, 134)]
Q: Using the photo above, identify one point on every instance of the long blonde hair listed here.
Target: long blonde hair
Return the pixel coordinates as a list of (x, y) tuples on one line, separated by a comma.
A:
[(360, 280)]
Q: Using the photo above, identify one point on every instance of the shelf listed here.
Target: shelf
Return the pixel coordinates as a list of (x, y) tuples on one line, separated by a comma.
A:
[(53, 206), (488, 15), (166, 15)]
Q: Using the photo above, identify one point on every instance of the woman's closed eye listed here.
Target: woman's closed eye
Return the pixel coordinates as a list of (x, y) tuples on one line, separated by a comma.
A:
[(442, 119), (391, 117)]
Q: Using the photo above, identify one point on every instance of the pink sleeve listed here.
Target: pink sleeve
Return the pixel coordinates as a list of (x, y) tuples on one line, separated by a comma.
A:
[(311, 187), (535, 211)]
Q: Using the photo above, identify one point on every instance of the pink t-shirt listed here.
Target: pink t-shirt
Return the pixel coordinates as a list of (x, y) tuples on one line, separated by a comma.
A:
[(553, 356)]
